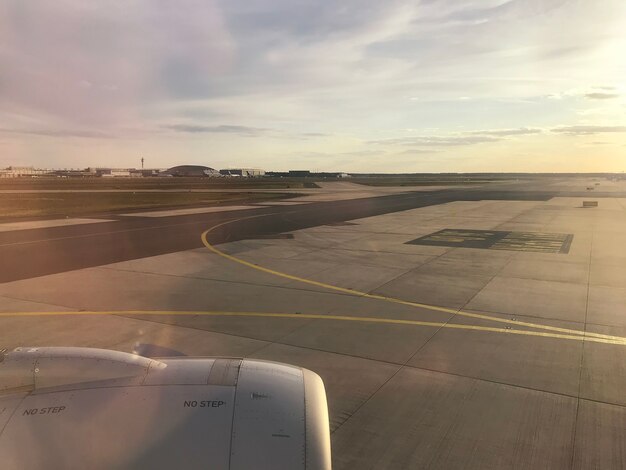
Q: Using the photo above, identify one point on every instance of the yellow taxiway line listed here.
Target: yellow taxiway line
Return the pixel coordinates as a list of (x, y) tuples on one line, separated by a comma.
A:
[(310, 316), (436, 308)]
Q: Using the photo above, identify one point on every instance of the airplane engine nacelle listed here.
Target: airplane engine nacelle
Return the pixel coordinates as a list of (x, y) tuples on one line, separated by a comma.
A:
[(93, 408)]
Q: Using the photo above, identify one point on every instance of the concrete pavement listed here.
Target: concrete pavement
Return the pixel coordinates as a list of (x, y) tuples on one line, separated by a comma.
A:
[(448, 357)]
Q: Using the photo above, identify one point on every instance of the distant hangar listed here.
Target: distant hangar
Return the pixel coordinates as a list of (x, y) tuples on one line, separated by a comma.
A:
[(191, 170), (200, 171), (243, 172)]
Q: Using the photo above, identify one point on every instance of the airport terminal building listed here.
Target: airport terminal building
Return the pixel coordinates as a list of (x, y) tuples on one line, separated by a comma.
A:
[(243, 172)]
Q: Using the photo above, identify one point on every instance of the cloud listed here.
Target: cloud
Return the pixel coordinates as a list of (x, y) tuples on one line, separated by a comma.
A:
[(149, 72), (605, 93), (58, 133), (362, 153), (314, 134), (587, 130), (355, 153), (221, 129), (244, 131), (601, 96), (81, 62), (507, 132), (436, 141), (419, 152)]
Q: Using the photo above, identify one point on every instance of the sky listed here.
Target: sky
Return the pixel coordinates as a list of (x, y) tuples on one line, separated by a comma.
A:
[(356, 86)]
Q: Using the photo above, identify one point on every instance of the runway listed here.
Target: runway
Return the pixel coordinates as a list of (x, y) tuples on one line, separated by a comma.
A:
[(37, 252), (460, 328)]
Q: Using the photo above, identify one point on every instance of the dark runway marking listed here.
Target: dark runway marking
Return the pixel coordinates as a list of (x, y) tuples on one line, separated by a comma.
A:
[(498, 240)]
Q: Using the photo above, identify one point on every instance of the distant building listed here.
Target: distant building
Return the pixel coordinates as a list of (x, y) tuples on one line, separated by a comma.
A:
[(299, 173), (112, 172), (243, 172), (17, 171), (73, 173), (190, 170), (121, 172), (149, 172), (306, 174)]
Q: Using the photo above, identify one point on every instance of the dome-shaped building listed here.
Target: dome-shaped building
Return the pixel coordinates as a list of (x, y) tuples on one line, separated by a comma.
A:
[(191, 170)]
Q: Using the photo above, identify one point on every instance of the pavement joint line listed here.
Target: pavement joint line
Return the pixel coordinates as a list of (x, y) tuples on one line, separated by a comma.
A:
[(5, 296), (553, 319), (371, 396), (582, 354), (460, 309), (281, 339), (399, 365), (197, 278), (392, 321), (381, 361), (405, 364), (425, 264), (353, 292)]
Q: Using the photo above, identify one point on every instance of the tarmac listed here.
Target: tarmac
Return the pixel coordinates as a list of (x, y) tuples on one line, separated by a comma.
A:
[(37, 224), (511, 355)]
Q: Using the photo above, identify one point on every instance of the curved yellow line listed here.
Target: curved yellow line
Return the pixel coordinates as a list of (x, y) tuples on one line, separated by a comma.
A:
[(392, 299)]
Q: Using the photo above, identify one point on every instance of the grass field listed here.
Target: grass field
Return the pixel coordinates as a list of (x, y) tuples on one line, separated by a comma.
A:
[(423, 180), (154, 183), (176, 192), (33, 205)]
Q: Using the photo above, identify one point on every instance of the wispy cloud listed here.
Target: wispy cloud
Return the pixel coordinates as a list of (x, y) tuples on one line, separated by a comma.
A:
[(419, 152), (590, 93), (436, 141), (308, 78), (362, 153), (507, 132), (587, 130), (92, 134), (243, 131), (601, 96), (105, 65), (221, 129), (315, 134)]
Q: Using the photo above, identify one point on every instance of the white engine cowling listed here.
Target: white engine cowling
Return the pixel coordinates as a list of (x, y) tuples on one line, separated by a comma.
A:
[(93, 408)]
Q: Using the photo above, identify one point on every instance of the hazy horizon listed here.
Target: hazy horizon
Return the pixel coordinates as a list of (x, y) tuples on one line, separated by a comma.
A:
[(365, 87)]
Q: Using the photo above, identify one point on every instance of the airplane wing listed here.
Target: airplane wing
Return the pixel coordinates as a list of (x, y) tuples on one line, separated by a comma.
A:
[(93, 408)]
